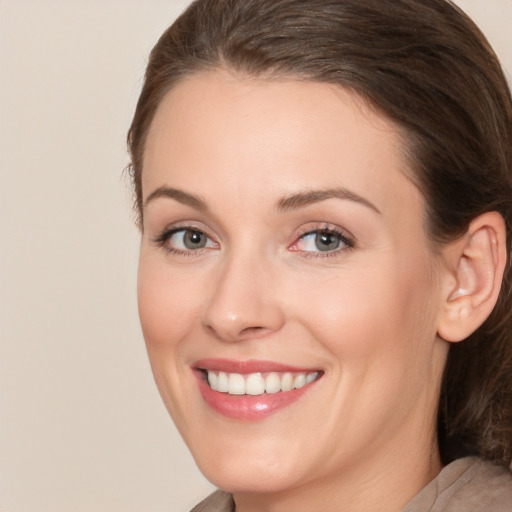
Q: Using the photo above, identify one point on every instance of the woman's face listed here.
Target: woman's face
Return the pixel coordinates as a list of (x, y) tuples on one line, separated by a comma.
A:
[(284, 259)]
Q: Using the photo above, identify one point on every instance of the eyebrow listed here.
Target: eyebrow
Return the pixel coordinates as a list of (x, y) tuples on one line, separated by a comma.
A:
[(309, 197), (287, 203), (178, 195)]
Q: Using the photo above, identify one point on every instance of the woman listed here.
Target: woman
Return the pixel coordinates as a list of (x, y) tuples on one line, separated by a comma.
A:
[(324, 192)]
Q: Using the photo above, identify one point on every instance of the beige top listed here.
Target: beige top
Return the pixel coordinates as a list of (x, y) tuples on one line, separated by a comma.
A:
[(466, 485)]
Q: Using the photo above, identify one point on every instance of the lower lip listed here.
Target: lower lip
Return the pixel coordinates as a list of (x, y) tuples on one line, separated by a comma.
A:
[(248, 407)]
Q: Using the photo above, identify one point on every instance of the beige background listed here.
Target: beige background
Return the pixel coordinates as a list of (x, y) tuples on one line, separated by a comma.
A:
[(81, 425)]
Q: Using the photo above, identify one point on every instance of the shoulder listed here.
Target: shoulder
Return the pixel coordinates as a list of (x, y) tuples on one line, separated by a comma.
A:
[(466, 485), (219, 501)]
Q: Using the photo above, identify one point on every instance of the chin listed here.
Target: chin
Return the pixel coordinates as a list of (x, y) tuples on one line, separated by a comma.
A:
[(247, 469), (249, 478)]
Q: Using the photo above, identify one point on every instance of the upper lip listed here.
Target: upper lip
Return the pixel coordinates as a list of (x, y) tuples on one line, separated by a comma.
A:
[(247, 366)]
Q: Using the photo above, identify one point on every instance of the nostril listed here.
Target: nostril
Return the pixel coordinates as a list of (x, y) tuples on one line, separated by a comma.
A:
[(252, 329), (234, 335), (253, 332)]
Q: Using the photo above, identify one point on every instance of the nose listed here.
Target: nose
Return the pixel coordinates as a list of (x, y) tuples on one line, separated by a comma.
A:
[(244, 301)]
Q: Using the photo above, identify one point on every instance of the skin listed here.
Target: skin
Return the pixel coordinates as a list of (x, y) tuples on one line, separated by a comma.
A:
[(363, 437)]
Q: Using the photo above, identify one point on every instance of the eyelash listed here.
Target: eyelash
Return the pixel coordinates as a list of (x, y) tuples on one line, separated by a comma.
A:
[(163, 238), (347, 242)]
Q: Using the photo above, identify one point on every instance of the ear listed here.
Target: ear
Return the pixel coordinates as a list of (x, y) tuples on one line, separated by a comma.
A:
[(472, 276)]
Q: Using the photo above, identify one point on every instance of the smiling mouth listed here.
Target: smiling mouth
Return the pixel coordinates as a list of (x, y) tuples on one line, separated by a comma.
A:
[(252, 390), (255, 384)]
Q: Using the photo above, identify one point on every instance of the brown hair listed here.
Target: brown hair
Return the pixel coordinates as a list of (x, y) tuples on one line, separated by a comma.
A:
[(427, 67)]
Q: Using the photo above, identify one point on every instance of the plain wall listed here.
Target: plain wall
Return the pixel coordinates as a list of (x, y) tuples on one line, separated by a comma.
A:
[(82, 427)]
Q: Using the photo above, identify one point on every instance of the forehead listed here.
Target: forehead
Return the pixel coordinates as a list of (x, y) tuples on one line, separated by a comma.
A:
[(264, 136)]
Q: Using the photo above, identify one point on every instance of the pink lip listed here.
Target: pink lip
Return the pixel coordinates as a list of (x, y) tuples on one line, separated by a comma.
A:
[(244, 367), (246, 407)]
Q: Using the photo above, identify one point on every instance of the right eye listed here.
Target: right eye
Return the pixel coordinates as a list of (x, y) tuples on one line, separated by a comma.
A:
[(185, 240)]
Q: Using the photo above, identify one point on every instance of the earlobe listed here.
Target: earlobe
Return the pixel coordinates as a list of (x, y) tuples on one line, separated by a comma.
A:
[(474, 271)]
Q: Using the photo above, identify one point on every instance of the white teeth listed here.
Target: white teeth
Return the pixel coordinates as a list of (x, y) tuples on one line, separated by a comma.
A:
[(256, 383), (222, 383), (310, 377), (299, 381), (236, 384), (272, 383), (218, 382), (213, 380), (287, 382)]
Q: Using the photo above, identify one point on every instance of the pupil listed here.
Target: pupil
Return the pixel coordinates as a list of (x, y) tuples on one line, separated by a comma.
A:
[(194, 240), (327, 241)]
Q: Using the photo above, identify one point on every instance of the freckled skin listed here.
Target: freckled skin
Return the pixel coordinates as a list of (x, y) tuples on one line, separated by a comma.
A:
[(365, 315)]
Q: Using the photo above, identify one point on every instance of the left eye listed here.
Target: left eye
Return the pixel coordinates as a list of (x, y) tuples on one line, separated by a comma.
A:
[(321, 241), (188, 240)]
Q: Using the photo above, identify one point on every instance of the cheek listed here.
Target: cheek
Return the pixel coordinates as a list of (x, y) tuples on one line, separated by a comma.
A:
[(377, 330), (376, 314), (167, 304)]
